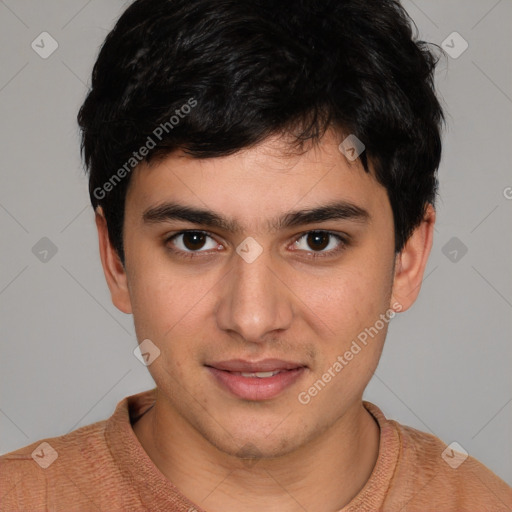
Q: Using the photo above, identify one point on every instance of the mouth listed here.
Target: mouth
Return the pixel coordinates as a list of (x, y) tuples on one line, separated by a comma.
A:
[(256, 381)]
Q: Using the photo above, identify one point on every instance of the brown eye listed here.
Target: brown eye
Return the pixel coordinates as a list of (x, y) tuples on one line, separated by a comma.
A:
[(192, 241), (321, 243), (318, 240)]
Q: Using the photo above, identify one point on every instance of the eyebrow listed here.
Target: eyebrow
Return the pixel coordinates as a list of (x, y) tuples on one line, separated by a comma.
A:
[(340, 210)]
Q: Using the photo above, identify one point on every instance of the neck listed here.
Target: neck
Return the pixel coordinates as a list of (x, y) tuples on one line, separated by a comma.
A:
[(324, 475)]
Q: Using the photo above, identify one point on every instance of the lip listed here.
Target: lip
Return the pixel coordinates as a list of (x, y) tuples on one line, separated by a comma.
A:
[(228, 375), (265, 365)]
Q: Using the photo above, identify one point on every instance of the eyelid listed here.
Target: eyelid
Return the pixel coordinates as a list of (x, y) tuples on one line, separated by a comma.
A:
[(343, 238), (169, 238)]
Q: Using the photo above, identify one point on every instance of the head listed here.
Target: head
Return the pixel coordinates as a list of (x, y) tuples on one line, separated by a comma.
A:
[(242, 109)]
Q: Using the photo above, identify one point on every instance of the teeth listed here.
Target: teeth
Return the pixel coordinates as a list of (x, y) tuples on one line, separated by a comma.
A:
[(260, 375)]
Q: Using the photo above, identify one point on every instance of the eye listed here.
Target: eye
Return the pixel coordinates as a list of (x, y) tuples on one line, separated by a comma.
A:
[(191, 241), (319, 241), (189, 244)]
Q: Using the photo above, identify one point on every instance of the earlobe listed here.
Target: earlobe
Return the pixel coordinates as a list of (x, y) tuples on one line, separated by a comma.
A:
[(411, 263), (113, 268)]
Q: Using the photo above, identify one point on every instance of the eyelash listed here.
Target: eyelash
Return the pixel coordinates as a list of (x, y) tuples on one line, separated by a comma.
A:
[(344, 242)]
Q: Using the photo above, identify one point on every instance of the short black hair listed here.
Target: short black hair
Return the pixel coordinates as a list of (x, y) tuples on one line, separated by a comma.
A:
[(212, 77)]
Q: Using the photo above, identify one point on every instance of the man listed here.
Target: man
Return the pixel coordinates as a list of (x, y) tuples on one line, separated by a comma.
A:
[(264, 179)]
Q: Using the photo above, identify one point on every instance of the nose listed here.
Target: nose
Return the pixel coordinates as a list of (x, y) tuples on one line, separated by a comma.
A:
[(255, 300)]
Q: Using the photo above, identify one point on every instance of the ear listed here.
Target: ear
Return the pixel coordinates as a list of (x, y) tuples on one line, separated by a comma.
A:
[(113, 268), (411, 262)]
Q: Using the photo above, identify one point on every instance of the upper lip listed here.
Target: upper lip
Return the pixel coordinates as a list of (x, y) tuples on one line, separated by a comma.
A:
[(265, 365)]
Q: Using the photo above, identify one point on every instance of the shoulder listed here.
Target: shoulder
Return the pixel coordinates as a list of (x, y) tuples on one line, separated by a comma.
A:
[(91, 468), (445, 476), (417, 471), (30, 475)]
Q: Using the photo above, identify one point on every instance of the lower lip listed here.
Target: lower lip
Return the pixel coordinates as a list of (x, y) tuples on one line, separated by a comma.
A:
[(254, 388)]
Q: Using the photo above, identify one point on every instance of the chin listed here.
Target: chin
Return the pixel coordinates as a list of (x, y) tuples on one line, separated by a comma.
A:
[(255, 440), (252, 450)]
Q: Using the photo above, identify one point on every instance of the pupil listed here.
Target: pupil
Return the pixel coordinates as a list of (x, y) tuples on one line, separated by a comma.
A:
[(314, 238), (195, 240)]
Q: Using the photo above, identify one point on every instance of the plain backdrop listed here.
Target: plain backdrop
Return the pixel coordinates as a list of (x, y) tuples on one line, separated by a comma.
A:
[(67, 353)]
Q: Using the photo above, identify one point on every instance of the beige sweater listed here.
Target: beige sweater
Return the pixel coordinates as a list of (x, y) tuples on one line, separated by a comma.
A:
[(103, 467)]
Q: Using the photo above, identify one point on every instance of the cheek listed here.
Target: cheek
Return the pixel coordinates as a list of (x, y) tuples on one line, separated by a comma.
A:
[(158, 299), (165, 311), (160, 305), (349, 300), (170, 307), (354, 341)]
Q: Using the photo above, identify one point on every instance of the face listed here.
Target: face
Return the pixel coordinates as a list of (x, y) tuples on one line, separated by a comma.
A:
[(258, 284)]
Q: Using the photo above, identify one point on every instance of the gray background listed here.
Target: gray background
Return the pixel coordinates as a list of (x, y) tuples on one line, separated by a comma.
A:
[(66, 352)]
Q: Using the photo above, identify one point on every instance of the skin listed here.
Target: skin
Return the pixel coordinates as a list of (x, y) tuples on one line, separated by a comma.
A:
[(280, 454)]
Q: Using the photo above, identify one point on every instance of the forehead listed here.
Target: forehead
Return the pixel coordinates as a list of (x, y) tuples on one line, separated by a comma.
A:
[(255, 184)]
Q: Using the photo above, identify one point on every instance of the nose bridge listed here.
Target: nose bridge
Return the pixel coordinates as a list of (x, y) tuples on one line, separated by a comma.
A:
[(254, 301)]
